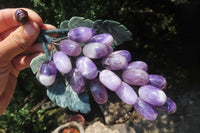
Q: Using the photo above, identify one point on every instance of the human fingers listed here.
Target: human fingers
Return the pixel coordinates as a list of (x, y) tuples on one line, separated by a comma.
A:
[(49, 27), (4, 34), (7, 95), (38, 46), (19, 40), (8, 20), (23, 61)]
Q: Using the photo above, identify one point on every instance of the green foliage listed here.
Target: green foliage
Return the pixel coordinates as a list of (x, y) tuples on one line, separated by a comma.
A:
[(20, 119), (36, 63), (79, 21), (62, 93), (21, 115), (119, 32)]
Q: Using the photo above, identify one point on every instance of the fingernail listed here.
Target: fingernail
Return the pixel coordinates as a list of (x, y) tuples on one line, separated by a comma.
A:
[(30, 28)]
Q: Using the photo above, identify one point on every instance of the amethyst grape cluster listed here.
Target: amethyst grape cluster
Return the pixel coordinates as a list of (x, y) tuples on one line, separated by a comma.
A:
[(88, 60)]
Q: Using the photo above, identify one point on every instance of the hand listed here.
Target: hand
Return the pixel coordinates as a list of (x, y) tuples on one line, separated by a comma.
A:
[(15, 41)]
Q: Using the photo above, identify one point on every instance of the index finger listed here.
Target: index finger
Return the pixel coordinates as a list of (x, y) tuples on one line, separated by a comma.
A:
[(8, 20)]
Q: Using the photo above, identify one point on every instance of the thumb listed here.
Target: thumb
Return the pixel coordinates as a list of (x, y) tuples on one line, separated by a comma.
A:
[(19, 40)]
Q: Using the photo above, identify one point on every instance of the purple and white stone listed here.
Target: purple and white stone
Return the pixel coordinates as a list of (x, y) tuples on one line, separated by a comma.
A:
[(98, 91), (105, 39), (137, 65), (124, 53), (146, 110), (152, 95), (135, 77), (157, 81), (169, 106), (48, 73), (62, 62), (109, 49), (70, 47), (81, 34), (76, 80), (109, 79), (86, 67), (114, 62), (95, 50), (127, 94)]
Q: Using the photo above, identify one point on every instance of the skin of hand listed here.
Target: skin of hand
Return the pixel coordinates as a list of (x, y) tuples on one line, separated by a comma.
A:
[(15, 41)]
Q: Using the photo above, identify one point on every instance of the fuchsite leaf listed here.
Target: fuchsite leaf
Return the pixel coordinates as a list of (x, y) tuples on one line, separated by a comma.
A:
[(79, 22), (119, 32), (64, 24), (64, 96), (37, 62), (56, 90)]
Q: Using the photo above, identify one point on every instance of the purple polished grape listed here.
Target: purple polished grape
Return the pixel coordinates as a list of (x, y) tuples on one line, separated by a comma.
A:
[(137, 65), (110, 50), (135, 77), (169, 106), (62, 62), (109, 79), (105, 39), (157, 81), (114, 62), (126, 93), (70, 47), (95, 50), (98, 91), (86, 67), (48, 72), (152, 95), (81, 34), (76, 80), (146, 110), (124, 53)]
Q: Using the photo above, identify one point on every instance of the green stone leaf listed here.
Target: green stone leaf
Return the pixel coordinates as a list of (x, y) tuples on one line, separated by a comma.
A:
[(64, 24), (58, 88), (80, 21), (64, 96), (36, 63), (119, 32)]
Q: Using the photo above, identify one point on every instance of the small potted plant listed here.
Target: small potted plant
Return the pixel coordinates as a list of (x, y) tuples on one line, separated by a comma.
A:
[(74, 125)]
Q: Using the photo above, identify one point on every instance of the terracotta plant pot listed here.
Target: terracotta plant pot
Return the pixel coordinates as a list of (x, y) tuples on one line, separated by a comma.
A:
[(70, 127)]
